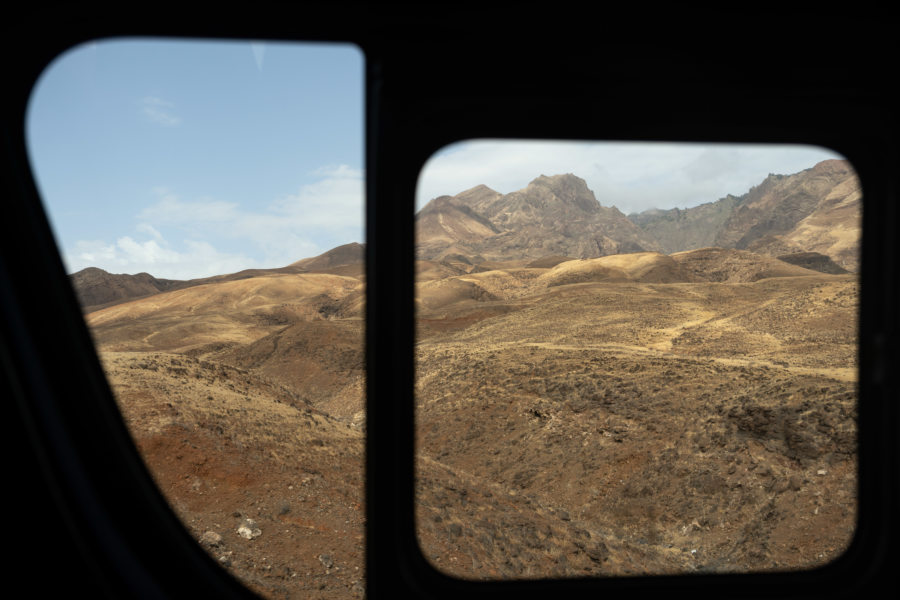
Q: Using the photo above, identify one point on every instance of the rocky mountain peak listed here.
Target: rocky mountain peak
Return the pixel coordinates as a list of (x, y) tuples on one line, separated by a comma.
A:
[(477, 196), (554, 214), (833, 167), (568, 188), (814, 210), (437, 204)]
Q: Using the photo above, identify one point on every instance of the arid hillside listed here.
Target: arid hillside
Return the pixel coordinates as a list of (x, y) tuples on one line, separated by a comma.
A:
[(629, 414), (266, 483), (585, 403), (245, 397), (816, 210), (97, 289), (613, 426)]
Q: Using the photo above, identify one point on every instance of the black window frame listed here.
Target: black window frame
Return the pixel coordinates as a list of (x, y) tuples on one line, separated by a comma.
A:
[(436, 75)]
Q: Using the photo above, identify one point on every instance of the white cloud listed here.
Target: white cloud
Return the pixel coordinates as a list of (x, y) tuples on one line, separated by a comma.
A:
[(149, 230), (334, 201), (149, 252), (170, 210), (222, 237), (90, 253), (259, 52), (127, 255), (159, 111)]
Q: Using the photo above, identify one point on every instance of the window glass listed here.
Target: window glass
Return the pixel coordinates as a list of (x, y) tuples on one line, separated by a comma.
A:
[(635, 358), (207, 199)]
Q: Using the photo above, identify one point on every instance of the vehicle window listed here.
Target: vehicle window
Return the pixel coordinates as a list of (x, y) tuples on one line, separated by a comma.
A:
[(207, 199), (635, 358)]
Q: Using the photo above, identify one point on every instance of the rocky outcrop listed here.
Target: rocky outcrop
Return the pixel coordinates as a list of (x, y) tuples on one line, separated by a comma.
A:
[(680, 229), (95, 287), (815, 210), (553, 215)]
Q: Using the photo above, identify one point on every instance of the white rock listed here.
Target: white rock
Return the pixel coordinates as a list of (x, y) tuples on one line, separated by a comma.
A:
[(211, 538), (248, 529)]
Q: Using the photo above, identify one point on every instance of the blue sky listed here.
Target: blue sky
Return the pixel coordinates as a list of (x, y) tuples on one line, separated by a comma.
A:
[(187, 159)]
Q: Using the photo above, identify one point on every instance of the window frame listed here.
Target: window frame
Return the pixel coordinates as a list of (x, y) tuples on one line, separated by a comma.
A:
[(434, 77)]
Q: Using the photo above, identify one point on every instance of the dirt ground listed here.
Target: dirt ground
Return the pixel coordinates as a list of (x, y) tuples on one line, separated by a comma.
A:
[(641, 428), (602, 427)]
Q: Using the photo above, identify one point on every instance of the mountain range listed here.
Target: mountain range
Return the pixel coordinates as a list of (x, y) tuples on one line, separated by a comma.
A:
[(810, 219), (815, 210)]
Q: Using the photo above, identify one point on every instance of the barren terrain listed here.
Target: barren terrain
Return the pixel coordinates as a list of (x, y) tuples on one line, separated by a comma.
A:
[(614, 413), (620, 427), (245, 399), (570, 422)]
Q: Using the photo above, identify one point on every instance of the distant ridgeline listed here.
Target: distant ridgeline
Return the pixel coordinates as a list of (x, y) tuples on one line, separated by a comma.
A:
[(811, 219), (815, 211), (98, 289)]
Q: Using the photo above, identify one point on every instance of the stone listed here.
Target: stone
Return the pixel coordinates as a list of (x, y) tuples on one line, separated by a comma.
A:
[(211, 538), (248, 529)]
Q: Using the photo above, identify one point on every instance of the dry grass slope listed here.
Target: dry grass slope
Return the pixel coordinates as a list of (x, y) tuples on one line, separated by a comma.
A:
[(245, 400), (623, 427), (628, 414)]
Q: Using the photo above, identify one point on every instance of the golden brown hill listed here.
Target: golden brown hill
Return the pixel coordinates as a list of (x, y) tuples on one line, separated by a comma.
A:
[(245, 398), (548, 262), (341, 256), (626, 428), (727, 265), (222, 314), (438, 293), (430, 269), (98, 289), (582, 271), (440, 287), (648, 267)]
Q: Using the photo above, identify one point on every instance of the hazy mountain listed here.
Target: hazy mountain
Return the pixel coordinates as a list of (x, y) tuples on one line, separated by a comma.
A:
[(686, 229), (833, 227), (555, 215), (815, 210)]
